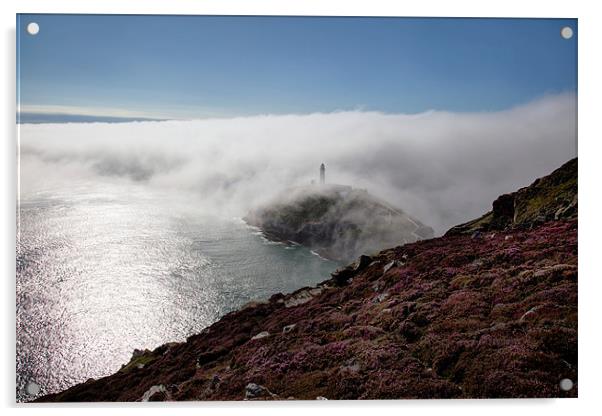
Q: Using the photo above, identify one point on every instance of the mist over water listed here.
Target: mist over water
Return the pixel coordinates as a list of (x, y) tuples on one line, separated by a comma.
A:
[(443, 168), (130, 236)]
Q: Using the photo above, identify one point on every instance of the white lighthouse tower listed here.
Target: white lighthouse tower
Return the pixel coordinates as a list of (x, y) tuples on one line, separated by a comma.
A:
[(322, 174)]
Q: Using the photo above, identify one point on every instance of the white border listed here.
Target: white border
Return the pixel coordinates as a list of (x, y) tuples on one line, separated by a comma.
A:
[(590, 177)]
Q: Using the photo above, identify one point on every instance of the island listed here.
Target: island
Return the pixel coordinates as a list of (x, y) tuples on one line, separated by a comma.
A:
[(336, 221)]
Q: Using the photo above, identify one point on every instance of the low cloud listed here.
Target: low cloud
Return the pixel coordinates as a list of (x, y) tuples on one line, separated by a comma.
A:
[(443, 168)]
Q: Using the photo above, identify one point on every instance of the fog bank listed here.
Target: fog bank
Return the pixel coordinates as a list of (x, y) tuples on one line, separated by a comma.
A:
[(443, 168)]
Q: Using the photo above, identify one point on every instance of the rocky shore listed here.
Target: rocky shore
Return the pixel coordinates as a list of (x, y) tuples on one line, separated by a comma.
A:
[(336, 221), (487, 311)]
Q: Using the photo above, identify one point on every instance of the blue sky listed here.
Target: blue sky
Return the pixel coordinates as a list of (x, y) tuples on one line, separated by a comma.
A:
[(207, 66)]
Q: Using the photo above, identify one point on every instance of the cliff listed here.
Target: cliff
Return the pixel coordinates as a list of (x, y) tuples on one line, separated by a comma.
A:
[(488, 310), (552, 197), (336, 221)]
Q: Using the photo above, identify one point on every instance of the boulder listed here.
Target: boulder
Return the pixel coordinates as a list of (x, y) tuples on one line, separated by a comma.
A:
[(255, 391), (288, 328), (155, 393), (262, 334)]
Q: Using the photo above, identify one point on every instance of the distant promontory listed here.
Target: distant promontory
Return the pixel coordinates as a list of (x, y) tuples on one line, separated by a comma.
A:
[(336, 221)]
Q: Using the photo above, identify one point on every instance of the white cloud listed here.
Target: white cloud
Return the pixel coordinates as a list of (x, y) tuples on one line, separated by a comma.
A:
[(442, 167)]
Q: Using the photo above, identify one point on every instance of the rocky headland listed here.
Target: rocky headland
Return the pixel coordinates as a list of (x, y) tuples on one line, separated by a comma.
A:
[(487, 311), (336, 221)]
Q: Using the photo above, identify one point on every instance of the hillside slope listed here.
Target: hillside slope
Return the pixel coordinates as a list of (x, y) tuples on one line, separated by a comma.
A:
[(472, 314), (552, 197)]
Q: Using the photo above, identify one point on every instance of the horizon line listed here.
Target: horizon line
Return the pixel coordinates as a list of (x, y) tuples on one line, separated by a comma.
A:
[(40, 114)]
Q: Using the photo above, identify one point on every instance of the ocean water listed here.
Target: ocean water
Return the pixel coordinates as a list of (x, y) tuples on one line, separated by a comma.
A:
[(105, 269)]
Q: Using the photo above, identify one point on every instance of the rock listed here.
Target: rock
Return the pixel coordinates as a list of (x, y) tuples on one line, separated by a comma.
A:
[(32, 388), (168, 346), (363, 262), (556, 271), (477, 235), (345, 275), (477, 263), (503, 211), (256, 391), (155, 393), (381, 297), (568, 210), (321, 398), (388, 266), (262, 334), (342, 276), (351, 365), (529, 313), (137, 353), (253, 390), (288, 328), (277, 298), (302, 296), (553, 197), (396, 263)]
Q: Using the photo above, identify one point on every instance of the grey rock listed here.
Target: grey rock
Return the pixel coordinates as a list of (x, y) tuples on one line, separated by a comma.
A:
[(388, 266), (288, 328), (302, 296), (529, 313), (392, 264), (351, 365), (381, 297), (476, 235), (32, 388), (256, 391), (262, 334), (157, 389)]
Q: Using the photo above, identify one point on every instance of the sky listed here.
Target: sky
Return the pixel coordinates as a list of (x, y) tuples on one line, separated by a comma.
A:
[(82, 67)]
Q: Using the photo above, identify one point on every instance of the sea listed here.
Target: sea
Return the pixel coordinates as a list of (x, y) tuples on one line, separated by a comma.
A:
[(103, 269)]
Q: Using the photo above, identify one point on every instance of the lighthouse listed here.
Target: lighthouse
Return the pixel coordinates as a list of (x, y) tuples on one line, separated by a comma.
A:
[(322, 174)]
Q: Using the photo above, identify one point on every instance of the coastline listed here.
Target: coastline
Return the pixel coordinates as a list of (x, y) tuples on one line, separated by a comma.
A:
[(489, 310)]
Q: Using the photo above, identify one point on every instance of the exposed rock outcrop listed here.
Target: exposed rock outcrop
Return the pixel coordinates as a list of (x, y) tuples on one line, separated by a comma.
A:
[(552, 197)]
